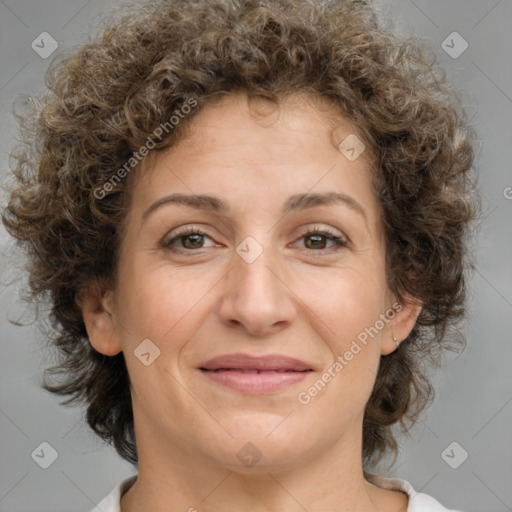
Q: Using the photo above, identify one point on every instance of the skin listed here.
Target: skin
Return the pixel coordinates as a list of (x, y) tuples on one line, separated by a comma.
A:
[(209, 301)]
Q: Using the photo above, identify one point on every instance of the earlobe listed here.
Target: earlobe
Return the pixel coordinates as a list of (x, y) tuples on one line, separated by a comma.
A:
[(402, 324), (97, 313)]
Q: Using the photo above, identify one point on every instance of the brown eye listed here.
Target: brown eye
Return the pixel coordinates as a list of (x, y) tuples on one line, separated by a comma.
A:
[(190, 239), (317, 239), (195, 240)]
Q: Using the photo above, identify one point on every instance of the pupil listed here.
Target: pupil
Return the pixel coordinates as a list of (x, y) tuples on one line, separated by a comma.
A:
[(197, 237), (317, 237)]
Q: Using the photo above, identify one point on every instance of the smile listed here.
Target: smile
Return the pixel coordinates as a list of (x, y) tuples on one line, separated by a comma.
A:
[(255, 375)]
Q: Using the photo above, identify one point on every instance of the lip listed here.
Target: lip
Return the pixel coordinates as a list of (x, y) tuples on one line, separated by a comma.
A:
[(255, 374)]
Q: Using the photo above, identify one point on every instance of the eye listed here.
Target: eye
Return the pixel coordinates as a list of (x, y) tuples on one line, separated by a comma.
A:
[(191, 238), (317, 238)]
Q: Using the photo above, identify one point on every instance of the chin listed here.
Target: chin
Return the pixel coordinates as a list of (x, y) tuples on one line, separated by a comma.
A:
[(262, 443)]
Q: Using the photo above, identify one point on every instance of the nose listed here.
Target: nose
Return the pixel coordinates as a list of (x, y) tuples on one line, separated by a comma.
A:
[(257, 298)]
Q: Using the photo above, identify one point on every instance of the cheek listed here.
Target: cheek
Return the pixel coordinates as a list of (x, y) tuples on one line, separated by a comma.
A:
[(351, 306), (352, 312), (162, 303), (350, 302)]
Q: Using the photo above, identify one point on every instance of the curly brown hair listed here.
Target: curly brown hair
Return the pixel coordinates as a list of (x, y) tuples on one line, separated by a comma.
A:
[(104, 101)]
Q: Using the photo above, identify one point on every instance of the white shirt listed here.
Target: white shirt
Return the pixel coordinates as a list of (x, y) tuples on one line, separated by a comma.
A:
[(418, 502)]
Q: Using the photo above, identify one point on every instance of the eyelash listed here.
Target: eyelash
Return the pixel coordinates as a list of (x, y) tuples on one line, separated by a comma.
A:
[(327, 233)]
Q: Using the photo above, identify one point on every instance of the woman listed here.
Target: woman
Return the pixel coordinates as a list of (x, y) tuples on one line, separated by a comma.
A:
[(250, 218)]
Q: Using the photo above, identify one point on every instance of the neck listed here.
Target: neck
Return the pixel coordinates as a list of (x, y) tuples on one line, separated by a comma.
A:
[(179, 477)]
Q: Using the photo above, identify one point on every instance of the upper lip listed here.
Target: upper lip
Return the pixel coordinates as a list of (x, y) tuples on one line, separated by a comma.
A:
[(270, 362)]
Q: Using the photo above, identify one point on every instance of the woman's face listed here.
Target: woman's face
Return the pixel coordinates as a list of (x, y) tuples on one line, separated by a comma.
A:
[(250, 336)]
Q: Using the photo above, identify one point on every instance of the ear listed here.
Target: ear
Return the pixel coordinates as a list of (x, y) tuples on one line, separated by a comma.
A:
[(402, 323), (98, 314)]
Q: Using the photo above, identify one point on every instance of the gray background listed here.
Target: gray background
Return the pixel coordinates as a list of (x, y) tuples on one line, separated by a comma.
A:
[(474, 390)]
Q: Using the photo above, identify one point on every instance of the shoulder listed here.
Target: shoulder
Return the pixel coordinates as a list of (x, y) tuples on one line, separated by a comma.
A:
[(112, 503), (418, 501)]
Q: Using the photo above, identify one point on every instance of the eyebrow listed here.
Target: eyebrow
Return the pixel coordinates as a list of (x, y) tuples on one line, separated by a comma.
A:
[(297, 202)]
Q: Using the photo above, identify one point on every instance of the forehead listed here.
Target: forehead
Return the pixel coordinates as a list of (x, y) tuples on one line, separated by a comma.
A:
[(296, 115), (257, 135), (253, 151)]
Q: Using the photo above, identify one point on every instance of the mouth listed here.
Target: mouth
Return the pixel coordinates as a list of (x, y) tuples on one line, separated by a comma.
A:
[(255, 375)]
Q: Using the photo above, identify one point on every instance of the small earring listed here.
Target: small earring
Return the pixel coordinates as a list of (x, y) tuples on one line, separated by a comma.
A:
[(395, 339)]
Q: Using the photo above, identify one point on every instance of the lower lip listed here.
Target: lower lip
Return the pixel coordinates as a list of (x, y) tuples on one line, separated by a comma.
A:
[(256, 383)]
